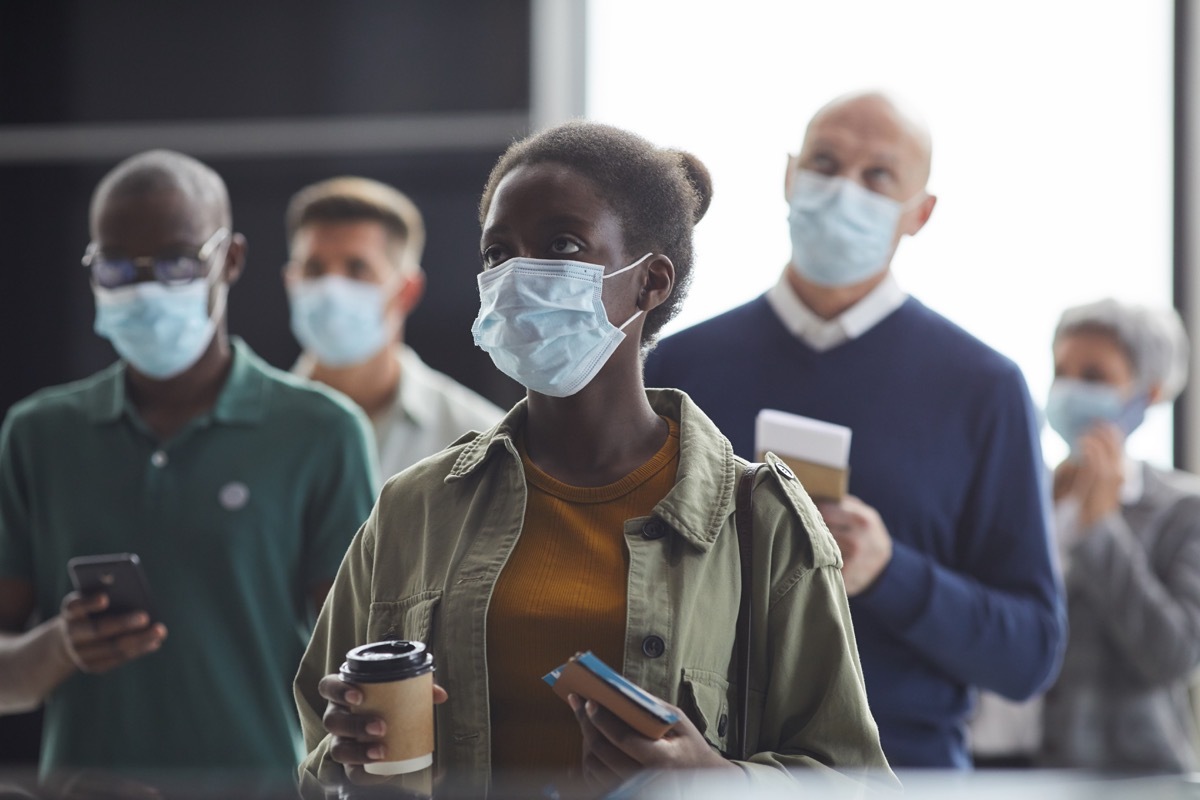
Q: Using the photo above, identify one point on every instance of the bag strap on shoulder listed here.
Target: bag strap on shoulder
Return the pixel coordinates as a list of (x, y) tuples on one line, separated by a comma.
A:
[(744, 522)]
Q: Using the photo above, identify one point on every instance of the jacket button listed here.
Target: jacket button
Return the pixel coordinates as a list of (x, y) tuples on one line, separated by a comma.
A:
[(722, 725), (654, 528), (653, 646)]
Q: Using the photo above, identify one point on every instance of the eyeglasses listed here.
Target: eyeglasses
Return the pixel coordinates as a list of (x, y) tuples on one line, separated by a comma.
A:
[(112, 273)]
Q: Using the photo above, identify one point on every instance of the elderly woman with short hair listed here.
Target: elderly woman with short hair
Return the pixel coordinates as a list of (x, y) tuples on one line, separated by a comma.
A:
[(1130, 538)]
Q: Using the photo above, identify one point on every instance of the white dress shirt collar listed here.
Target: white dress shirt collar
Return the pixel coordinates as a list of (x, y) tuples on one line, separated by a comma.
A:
[(1134, 484), (821, 334)]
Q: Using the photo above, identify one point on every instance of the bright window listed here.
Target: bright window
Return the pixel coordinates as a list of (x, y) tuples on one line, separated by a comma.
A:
[(1051, 125)]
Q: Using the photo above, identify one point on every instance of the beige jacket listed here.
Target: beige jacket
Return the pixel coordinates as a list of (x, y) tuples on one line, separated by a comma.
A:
[(424, 564)]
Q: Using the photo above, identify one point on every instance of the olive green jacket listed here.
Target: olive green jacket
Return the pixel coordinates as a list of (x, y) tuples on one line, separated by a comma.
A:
[(424, 564)]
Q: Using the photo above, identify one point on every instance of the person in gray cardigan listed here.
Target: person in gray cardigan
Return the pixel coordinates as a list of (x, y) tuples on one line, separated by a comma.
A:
[(1129, 536)]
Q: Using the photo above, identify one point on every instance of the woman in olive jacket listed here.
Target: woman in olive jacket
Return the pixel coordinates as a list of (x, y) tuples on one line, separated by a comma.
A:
[(598, 515)]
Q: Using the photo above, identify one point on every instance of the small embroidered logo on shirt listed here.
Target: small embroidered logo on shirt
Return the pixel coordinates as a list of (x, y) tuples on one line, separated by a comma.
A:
[(233, 495)]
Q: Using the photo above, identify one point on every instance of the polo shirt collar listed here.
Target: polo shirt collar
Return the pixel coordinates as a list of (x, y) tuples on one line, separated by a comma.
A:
[(821, 334), (241, 400), (107, 397)]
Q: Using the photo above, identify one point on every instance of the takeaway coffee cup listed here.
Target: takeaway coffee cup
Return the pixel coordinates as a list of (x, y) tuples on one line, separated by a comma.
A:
[(396, 679)]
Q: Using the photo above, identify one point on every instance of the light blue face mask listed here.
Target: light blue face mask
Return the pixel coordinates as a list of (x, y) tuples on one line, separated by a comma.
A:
[(841, 232), (160, 330), (543, 322), (339, 319), (1074, 406)]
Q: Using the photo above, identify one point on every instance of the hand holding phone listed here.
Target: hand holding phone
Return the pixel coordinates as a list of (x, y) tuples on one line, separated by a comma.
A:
[(109, 619), (118, 575)]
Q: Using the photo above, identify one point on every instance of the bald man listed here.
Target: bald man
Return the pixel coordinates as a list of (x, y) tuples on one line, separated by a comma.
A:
[(237, 485), (943, 533)]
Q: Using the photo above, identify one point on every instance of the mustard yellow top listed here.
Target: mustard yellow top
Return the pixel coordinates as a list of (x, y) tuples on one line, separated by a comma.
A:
[(562, 591)]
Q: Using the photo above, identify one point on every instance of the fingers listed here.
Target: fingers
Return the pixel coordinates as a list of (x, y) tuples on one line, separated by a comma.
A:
[(336, 690), (356, 736), (98, 654), (1102, 440), (76, 606), (352, 752), (839, 522), (607, 739), (98, 642), (846, 516), (92, 629)]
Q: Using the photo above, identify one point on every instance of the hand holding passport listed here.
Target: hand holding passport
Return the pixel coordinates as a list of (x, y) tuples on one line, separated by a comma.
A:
[(586, 675)]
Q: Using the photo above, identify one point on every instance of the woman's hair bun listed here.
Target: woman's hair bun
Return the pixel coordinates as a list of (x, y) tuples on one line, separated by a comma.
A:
[(700, 179)]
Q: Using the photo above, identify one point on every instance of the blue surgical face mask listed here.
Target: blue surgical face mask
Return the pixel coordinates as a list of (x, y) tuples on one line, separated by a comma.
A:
[(340, 320), (841, 232), (1073, 407), (543, 322), (160, 330)]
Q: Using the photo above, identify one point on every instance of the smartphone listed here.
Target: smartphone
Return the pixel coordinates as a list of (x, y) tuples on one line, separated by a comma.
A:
[(120, 576)]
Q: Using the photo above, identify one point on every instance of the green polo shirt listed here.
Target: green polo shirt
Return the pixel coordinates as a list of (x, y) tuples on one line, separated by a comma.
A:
[(236, 518)]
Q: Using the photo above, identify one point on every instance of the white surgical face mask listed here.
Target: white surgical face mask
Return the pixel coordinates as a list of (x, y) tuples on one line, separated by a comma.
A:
[(841, 232), (339, 319), (160, 330), (1074, 406), (543, 322)]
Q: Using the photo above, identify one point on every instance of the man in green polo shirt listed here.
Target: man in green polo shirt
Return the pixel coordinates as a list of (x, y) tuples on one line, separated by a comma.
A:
[(238, 485)]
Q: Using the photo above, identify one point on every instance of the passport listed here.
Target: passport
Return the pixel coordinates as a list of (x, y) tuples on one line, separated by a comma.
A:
[(586, 675)]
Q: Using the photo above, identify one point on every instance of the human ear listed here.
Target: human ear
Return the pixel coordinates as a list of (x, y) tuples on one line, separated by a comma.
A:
[(408, 293), (793, 162), (658, 284), (920, 215), (1154, 394), (235, 259)]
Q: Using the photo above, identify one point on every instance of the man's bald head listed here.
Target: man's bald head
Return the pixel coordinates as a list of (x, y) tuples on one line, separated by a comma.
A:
[(868, 140), (165, 171), (885, 121)]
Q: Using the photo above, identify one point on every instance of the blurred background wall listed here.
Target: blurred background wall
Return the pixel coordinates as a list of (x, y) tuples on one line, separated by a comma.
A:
[(273, 94)]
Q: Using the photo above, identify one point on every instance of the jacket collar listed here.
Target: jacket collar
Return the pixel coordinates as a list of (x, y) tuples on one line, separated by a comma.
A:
[(701, 501)]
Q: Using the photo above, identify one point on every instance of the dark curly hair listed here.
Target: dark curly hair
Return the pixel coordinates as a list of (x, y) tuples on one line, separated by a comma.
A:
[(658, 194)]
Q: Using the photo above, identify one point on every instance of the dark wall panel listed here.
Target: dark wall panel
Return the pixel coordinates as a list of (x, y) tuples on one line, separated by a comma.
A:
[(126, 60)]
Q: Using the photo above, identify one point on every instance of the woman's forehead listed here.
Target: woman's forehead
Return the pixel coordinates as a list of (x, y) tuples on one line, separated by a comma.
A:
[(538, 191)]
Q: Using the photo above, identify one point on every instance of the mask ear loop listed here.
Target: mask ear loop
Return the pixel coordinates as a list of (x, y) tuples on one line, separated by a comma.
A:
[(625, 269), (218, 270)]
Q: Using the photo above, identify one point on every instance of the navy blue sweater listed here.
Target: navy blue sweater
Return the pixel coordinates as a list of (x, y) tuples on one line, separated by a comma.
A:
[(945, 448)]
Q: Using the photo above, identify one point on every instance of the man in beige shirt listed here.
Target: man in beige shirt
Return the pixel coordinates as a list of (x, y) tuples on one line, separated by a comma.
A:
[(353, 278)]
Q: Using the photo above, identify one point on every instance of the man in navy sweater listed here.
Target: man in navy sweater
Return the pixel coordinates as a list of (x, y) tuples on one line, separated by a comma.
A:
[(944, 533)]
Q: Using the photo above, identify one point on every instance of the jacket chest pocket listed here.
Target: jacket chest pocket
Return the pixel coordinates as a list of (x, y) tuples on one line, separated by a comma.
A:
[(410, 618), (706, 701)]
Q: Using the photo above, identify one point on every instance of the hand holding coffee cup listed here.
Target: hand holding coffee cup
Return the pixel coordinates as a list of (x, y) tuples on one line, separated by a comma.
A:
[(380, 709)]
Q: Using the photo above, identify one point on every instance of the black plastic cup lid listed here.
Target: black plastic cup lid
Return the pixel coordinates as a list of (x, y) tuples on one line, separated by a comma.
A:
[(386, 661)]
